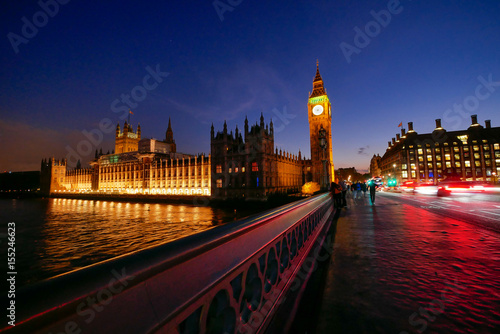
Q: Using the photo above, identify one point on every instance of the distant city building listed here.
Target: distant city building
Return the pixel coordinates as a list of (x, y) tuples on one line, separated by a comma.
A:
[(375, 166), (146, 166), (348, 174), (20, 181), (472, 154)]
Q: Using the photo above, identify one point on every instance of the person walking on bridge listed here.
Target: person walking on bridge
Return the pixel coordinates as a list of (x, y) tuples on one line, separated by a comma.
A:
[(344, 193), (336, 191), (373, 188)]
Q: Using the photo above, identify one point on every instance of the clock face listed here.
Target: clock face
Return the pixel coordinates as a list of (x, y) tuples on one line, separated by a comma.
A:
[(318, 110)]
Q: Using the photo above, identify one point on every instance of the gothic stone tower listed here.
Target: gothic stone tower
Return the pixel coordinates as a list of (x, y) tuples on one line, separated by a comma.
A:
[(320, 116), (169, 138), (52, 175), (128, 140)]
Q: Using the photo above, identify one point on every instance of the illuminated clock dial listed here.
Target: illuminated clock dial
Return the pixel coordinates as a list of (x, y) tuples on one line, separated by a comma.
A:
[(318, 110)]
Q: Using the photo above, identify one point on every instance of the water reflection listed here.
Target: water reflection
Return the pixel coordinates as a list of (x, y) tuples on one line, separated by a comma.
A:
[(59, 235)]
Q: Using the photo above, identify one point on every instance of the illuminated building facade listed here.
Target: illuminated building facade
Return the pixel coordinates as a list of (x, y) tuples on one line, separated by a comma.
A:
[(146, 166), (248, 166), (127, 140), (472, 154), (375, 166), (320, 120)]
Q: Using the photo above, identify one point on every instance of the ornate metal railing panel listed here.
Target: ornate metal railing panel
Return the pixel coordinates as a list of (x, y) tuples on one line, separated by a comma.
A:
[(230, 279)]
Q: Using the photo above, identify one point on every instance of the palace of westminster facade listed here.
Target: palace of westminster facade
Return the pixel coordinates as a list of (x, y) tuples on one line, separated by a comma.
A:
[(244, 165)]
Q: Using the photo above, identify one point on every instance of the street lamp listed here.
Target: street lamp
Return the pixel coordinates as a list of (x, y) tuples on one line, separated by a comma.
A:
[(322, 144), (395, 174)]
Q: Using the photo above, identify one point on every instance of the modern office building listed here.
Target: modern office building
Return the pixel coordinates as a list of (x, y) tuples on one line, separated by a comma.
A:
[(472, 154)]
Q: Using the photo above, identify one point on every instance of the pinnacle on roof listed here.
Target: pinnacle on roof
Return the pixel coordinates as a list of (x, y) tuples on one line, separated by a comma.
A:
[(318, 88), (318, 76)]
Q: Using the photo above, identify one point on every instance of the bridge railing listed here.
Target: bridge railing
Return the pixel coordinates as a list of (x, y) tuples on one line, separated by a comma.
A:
[(230, 279)]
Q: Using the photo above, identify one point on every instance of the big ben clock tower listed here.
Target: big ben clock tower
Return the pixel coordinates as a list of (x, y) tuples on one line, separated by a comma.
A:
[(320, 131)]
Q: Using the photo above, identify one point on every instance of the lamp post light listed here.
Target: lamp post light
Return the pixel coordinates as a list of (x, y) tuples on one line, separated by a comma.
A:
[(395, 174), (322, 144)]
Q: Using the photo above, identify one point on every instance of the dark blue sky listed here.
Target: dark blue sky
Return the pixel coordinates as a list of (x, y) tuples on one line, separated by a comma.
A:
[(260, 58)]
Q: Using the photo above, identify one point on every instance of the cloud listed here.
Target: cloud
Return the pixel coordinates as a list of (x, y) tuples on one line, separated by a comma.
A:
[(362, 150)]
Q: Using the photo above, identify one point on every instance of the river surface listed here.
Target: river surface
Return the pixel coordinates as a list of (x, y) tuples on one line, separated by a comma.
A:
[(56, 235)]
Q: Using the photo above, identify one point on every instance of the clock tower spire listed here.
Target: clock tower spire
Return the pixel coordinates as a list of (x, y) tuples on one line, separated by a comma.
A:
[(320, 118)]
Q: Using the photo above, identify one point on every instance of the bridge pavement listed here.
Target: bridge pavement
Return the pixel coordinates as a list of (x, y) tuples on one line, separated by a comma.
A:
[(399, 268)]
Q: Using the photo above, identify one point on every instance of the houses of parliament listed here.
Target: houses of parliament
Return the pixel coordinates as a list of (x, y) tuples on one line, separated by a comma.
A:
[(242, 165)]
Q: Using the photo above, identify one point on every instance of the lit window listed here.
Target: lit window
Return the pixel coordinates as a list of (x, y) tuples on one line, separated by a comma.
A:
[(467, 163), (413, 166), (413, 174), (438, 157), (429, 165), (456, 149), (230, 170), (420, 158), (404, 174), (255, 167), (439, 165), (496, 146), (429, 158), (448, 164), (477, 156), (420, 151), (219, 183), (476, 148), (404, 166), (478, 163), (457, 156), (458, 164), (218, 169), (447, 157), (243, 169), (236, 169)]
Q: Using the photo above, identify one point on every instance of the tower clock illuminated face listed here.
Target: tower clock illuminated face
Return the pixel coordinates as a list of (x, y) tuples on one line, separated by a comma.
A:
[(318, 110)]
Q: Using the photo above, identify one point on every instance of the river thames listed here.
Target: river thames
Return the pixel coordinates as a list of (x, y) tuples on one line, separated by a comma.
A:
[(56, 235)]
